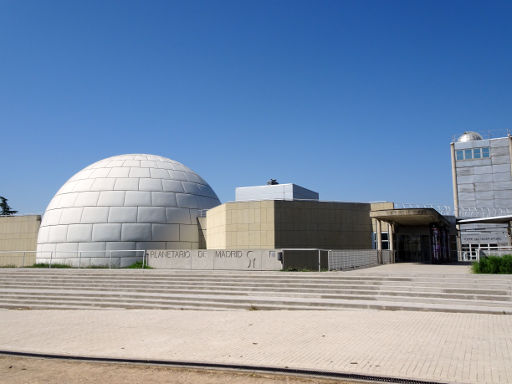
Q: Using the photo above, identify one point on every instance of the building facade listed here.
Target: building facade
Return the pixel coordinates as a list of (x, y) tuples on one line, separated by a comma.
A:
[(18, 236), (482, 187), (276, 224)]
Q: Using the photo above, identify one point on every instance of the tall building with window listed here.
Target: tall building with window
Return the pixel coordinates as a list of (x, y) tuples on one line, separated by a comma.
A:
[(482, 187)]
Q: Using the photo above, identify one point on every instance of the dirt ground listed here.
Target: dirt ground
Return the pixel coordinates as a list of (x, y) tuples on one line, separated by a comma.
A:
[(24, 370)]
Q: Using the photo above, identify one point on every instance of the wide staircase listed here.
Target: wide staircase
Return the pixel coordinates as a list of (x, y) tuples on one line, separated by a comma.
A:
[(217, 290)]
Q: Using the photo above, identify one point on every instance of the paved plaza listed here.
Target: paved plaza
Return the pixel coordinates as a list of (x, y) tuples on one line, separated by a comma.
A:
[(436, 346), (461, 348)]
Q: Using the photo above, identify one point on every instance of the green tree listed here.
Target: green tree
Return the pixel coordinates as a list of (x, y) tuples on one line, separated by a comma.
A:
[(5, 210)]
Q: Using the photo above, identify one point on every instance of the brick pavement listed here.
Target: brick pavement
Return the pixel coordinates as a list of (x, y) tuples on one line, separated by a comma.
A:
[(449, 347)]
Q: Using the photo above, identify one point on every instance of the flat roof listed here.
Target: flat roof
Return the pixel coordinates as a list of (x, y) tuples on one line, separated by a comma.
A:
[(410, 216)]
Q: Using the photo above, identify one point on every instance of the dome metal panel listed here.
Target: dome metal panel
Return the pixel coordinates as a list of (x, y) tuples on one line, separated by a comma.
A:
[(469, 136), (124, 202)]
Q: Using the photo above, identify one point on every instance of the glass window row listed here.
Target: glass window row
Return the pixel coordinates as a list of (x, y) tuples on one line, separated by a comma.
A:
[(472, 153)]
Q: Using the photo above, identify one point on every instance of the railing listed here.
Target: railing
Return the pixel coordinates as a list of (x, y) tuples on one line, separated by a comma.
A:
[(340, 260), (76, 259), (473, 212), (308, 259), (467, 256), (488, 251), (17, 258), (444, 210), (464, 212)]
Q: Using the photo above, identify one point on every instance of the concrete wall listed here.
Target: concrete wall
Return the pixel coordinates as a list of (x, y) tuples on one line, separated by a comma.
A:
[(216, 223), (18, 233), (289, 224), (381, 205), (241, 225), (217, 259), (319, 224)]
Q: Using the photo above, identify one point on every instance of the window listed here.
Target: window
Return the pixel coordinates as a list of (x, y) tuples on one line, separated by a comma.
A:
[(472, 153), (384, 240)]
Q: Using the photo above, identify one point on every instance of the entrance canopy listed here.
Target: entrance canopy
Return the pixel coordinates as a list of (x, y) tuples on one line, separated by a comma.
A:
[(420, 234), (410, 216)]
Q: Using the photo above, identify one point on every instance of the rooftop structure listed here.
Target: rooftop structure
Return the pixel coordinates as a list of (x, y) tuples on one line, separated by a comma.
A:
[(275, 192), (469, 136)]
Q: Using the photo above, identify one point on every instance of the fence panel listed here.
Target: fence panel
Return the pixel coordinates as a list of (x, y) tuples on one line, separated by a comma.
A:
[(344, 259), (17, 258), (497, 251), (76, 259)]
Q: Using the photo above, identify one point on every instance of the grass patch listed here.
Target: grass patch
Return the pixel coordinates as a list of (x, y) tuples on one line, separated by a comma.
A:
[(493, 264), (137, 265), (47, 265)]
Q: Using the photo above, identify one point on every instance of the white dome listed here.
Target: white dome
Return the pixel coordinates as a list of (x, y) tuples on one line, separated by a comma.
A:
[(124, 202), (469, 136)]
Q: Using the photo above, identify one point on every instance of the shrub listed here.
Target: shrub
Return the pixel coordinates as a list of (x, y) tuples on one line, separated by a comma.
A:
[(493, 264), (506, 264)]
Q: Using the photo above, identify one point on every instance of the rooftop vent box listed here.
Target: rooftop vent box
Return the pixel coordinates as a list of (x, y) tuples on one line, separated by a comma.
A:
[(275, 192)]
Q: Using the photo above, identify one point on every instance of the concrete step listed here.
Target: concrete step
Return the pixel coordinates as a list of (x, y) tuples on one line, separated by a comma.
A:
[(169, 304), (232, 290), (254, 276), (207, 280), (129, 297), (219, 285), (259, 305), (275, 290)]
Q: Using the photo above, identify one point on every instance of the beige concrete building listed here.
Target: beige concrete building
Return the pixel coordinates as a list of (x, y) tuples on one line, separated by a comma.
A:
[(18, 233), (276, 224), (283, 222)]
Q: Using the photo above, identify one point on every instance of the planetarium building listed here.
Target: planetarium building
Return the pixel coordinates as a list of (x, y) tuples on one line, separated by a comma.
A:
[(122, 204)]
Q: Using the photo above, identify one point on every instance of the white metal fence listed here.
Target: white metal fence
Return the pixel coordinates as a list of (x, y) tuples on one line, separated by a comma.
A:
[(497, 251), (17, 258), (77, 259), (474, 254), (333, 260), (340, 260)]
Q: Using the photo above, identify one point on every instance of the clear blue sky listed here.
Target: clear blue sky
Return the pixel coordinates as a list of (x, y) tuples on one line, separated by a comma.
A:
[(357, 100)]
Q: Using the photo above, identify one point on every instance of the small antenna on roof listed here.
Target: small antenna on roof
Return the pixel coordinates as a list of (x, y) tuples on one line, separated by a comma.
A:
[(272, 182)]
